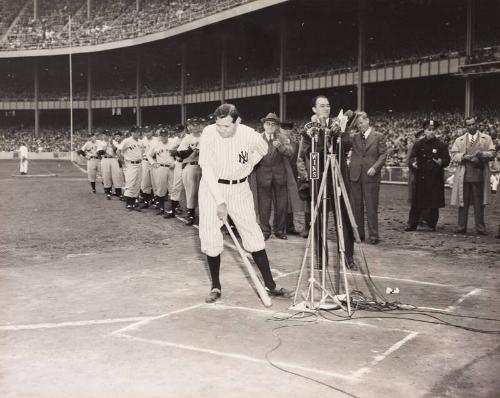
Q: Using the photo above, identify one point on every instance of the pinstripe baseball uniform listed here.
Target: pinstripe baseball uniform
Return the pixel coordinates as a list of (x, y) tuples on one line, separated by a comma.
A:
[(226, 164), (163, 166), (146, 180), (132, 154), (93, 163), (23, 159), (177, 186), (112, 175), (191, 171)]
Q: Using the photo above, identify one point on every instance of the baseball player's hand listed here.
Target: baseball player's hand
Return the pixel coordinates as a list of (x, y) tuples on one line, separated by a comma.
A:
[(156, 165), (222, 211), (276, 143), (371, 172), (414, 164)]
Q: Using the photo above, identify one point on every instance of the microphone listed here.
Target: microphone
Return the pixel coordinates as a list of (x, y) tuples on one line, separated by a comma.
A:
[(322, 120)]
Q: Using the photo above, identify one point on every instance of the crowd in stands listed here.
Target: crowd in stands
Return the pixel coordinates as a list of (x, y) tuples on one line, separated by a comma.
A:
[(399, 130), (112, 20)]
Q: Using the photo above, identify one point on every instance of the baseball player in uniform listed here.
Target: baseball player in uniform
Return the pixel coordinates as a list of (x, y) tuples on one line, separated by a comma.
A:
[(228, 152), (177, 186), (23, 159), (162, 163), (112, 175), (188, 151), (146, 181), (89, 151), (130, 152)]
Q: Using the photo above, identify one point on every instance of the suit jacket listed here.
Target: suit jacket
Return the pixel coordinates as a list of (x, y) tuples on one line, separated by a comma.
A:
[(275, 162), (372, 154), (460, 147)]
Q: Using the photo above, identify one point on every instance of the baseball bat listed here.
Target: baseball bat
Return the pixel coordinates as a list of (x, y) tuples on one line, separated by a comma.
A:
[(260, 289)]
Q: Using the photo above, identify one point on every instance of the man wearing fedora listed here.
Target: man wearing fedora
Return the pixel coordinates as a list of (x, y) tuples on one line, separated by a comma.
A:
[(471, 151), (271, 176)]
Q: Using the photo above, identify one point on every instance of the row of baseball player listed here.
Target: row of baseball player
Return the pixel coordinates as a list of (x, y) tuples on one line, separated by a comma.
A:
[(160, 162)]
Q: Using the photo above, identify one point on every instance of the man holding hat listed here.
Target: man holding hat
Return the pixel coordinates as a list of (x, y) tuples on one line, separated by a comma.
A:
[(112, 175), (130, 153), (146, 143), (472, 151), (163, 164), (428, 159), (177, 185), (271, 176)]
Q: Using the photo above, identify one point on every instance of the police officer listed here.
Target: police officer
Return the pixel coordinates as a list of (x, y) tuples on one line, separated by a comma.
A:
[(428, 159)]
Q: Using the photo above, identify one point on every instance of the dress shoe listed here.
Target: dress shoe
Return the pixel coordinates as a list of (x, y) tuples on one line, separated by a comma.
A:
[(281, 292), (160, 212), (351, 265), (408, 229), (213, 296), (281, 236), (461, 231), (305, 233), (108, 196)]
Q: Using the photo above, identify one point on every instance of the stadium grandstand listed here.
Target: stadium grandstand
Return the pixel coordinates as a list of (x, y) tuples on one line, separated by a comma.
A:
[(146, 62)]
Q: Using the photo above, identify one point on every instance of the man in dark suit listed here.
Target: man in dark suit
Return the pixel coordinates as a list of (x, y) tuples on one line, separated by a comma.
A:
[(330, 132), (428, 159), (271, 175), (368, 156)]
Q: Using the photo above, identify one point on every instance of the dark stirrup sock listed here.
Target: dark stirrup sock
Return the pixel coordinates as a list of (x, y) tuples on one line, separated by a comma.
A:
[(262, 262), (214, 266), (92, 184)]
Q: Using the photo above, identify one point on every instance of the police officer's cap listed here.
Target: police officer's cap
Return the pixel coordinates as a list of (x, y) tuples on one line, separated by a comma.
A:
[(470, 120), (163, 132), (179, 127), (430, 123), (134, 128)]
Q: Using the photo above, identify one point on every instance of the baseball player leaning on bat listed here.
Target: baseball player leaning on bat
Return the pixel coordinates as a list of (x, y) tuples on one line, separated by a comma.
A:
[(228, 152)]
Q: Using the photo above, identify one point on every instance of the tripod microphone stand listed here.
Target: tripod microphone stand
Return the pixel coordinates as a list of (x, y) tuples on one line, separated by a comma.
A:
[(328, 300)]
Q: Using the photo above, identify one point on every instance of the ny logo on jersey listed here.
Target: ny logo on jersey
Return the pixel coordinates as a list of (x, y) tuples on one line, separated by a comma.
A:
[(243, 157)]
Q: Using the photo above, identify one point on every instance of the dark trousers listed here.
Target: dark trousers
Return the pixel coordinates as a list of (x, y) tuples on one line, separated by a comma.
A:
[(473, 193), (365, 195), (269, 194), (346, 226), (429, 215)]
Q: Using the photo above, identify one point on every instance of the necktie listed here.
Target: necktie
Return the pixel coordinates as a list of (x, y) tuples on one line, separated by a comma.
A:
[(473, 140)]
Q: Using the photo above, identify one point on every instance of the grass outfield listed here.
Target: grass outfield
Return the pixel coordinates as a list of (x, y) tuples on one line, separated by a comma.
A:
[(100, 302)]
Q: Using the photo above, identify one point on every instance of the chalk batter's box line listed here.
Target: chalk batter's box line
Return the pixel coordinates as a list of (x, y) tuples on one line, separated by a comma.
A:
[(355, 376)]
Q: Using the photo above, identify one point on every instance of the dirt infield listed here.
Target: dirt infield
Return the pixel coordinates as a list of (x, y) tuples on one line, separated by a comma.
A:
[(99, 302)]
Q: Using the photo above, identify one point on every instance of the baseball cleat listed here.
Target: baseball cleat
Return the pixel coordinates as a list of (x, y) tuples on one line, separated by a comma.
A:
[(213, 296)]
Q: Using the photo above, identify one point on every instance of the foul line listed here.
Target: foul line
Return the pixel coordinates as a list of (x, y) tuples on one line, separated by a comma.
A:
[(235, 356), (79, 168), (71, 323), (379, 358), (145, 321)]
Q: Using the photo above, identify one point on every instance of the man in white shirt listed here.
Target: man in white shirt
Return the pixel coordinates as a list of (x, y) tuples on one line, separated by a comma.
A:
[(23, 159), (228, 152)]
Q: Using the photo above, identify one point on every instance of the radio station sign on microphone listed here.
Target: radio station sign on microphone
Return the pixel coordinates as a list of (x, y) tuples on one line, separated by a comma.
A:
[(314, 166)]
